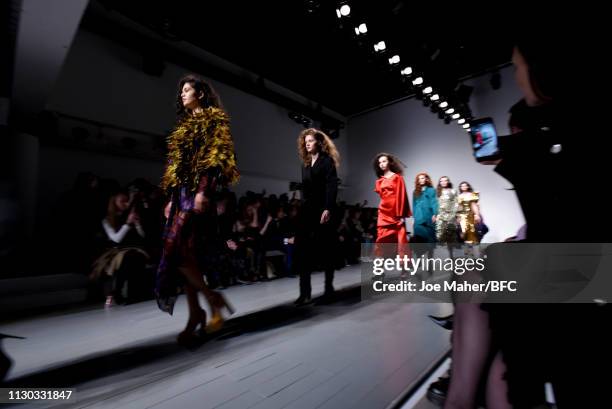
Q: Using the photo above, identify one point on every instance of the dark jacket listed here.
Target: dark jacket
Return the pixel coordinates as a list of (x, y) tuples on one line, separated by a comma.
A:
[(540, 162), (320, 185)]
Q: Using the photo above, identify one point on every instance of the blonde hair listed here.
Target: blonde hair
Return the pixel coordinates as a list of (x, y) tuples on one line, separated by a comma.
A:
[(324, 142)]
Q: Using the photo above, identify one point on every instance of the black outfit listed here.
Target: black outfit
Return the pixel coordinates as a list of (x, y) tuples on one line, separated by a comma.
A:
[(557, 343), (132, 269), (316, 242)]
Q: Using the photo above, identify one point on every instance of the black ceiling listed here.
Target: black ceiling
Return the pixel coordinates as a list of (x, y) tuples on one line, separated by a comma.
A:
[(301, 45)]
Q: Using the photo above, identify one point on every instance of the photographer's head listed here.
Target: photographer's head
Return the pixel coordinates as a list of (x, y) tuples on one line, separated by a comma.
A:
[(119, 202), (535, 73)]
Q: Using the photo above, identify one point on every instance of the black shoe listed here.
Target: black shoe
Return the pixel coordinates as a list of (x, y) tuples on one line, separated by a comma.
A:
[(444, 322), (437, 391), (302, 301)]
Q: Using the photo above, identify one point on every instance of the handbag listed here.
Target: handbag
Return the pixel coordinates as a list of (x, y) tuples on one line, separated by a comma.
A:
[(481, 230)]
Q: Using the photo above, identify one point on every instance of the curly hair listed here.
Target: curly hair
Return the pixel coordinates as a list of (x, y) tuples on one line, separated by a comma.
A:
[(210, 98), (470, 188), (395, 165), (417, 186), (439, 188), (324, 143)]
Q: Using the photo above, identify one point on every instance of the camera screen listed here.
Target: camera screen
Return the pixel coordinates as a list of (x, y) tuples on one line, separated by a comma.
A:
[(484, 140)]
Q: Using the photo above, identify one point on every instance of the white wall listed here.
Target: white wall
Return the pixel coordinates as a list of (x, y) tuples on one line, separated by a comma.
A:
[(103, 81), (424, 143)]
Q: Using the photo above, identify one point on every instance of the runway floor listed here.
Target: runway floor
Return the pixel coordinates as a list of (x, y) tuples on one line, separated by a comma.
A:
[(350, 354)]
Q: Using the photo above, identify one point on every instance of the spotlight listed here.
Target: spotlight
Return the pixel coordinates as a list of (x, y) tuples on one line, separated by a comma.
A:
[(428, 90), (312, 6), (466, 126), (456, 116), (343, 11), (468, 130), (417, 81), (300, 119), (435, 97), (394, 60), (406, 71), (443, 104), (449, 111), (461, 121), (380, 46), (361, 29)]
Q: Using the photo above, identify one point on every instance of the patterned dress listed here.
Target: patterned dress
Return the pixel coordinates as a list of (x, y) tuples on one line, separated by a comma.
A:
[(466, 217), (200, 159), (446, 222)]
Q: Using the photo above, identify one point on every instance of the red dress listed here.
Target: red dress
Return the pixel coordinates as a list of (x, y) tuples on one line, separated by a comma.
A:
[(393, 207)]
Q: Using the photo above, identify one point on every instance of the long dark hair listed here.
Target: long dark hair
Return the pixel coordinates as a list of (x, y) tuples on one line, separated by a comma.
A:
[(114, 216), (395, 165), (439, 187), (210, 98), (470, 188)]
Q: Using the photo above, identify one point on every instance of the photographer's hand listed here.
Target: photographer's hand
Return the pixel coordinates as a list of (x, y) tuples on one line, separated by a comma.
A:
[(133, 218), (325, 216), (491, 162)]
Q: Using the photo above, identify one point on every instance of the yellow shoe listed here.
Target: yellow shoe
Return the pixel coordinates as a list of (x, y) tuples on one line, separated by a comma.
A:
[(215, 324)]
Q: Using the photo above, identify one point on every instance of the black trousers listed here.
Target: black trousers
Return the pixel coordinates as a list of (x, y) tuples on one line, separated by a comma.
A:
[(315, 249), (306, 286), (132, 270)]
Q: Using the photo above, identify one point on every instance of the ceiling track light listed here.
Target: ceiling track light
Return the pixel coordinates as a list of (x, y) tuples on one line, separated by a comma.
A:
[(394, 60), (406, 71), (343, 11), (361, 29), (380, 46)]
